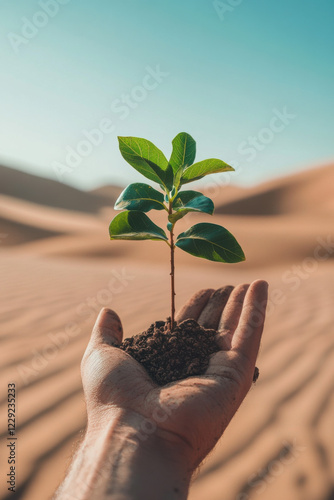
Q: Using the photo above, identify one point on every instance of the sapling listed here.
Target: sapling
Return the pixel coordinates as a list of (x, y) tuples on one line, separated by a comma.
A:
[(205, 240)]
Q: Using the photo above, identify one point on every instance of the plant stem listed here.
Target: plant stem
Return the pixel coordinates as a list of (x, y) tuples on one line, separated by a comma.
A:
[(172, 269)]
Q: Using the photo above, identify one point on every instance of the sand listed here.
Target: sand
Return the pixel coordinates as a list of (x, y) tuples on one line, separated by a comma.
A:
[(58, 268)]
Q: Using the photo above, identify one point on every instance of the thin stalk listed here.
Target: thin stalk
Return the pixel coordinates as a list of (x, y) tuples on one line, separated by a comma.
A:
[(172, 269)]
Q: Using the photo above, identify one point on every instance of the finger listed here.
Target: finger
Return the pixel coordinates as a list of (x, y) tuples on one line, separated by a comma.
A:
[(108, 328), (247, 337), (211, 313), (193, 308), (230, 317)]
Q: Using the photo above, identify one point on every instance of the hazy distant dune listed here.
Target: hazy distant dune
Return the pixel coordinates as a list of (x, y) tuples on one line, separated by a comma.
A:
[(108, 193), (310, 191), (48, 192)]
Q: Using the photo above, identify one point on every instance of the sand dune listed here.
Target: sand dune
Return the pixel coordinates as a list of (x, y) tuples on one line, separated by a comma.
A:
[(108, 193), (307, 192), (277, 231), (15, 233), (57, 267), (50, 193)]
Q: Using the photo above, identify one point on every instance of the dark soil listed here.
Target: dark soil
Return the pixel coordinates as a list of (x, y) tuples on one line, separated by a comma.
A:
[(256, 374), (168, 356)]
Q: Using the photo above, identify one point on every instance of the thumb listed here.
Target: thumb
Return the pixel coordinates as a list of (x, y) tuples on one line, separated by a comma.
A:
[(107, 329)]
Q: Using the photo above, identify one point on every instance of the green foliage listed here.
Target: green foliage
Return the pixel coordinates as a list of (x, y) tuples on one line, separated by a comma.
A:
[(208, 241), (184, 152), (190, 201), (147, 159), (134, 225), (202, 168), (139, 196)]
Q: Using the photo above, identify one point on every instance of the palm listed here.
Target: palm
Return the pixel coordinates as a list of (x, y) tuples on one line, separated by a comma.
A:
[(206, 402)]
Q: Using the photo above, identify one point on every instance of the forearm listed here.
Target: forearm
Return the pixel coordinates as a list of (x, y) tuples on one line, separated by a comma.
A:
[(117, 464)]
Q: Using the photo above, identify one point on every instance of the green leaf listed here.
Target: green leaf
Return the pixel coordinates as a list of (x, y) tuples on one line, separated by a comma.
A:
[(190, 201), (147, 159), (165, 176), (140, 196), (184, 151), (210, 242), (202, 168), (134, 225), (177, 178)]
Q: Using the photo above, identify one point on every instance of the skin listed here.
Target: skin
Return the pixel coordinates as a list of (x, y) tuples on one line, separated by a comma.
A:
[(144, 441)]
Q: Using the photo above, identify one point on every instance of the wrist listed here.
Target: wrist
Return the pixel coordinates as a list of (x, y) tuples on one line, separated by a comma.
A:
[(117, 460)]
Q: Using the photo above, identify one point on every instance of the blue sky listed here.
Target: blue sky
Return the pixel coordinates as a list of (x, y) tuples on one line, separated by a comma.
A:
[(251, 81)]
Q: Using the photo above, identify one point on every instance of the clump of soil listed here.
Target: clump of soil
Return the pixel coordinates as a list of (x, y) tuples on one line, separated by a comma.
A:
[(172, 355), (256, 374)]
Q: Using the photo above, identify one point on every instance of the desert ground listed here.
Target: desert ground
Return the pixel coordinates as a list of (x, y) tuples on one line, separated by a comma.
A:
[(58, 269)]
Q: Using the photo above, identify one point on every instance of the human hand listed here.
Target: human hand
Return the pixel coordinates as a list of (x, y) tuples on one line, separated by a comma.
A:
[(190, 415)]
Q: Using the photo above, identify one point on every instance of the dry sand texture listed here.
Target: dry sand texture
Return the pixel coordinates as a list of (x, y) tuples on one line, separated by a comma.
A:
[(58, 268)]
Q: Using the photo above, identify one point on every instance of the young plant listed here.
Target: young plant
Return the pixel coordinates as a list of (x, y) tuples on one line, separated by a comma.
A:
[(205, 240)]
